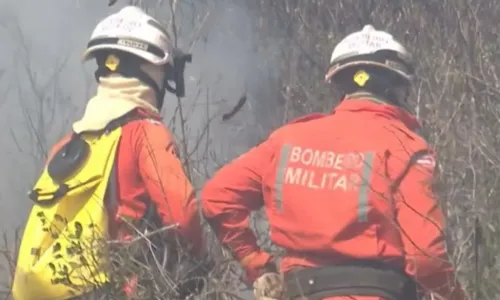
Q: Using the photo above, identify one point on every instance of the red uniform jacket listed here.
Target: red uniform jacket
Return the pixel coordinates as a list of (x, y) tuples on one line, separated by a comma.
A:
[(149, 171), (329, 187)]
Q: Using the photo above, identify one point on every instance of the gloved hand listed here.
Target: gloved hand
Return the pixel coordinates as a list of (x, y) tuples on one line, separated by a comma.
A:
[(269, 286)]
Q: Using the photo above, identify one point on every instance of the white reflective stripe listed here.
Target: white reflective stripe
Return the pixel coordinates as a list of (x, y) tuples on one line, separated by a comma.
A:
[(280, 175), (364, 188)]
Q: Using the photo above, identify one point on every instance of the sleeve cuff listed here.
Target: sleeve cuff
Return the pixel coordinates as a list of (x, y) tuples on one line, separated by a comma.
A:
[(254, 263)]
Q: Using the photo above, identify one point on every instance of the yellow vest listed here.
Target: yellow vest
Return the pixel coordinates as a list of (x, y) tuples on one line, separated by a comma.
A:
[(62, 253)]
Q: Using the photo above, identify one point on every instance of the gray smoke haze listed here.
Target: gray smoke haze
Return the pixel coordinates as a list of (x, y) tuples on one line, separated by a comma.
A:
[(45, 86)]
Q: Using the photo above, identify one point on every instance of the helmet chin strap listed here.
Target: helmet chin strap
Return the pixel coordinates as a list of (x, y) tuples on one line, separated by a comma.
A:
[(132, 68)]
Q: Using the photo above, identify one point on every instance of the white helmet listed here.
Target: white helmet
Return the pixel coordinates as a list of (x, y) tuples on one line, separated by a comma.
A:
[(133, 31), (370, 47)]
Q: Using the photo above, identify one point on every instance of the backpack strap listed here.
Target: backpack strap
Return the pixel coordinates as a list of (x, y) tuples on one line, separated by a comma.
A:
[(112, 201), (112, 190)]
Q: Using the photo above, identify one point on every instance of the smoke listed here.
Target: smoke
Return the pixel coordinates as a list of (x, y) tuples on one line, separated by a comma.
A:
[(227, 67)]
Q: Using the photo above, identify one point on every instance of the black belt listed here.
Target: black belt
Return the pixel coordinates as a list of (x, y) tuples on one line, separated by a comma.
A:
[(353, 279)]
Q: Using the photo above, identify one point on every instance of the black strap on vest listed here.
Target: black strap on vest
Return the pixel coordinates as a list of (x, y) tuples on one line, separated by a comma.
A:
[(112, 190), (358, 278), (112, 201)]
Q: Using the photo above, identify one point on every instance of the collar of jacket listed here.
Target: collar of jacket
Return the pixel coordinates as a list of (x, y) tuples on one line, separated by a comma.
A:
[(369, 104), (143, 113)]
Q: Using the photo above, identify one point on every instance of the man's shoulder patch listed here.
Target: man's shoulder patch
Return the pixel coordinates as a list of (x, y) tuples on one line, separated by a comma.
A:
[(427, 161)]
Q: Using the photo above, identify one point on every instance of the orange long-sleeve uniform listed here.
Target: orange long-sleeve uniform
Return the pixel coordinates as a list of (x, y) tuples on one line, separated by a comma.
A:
[(330, 189), (149, 172)]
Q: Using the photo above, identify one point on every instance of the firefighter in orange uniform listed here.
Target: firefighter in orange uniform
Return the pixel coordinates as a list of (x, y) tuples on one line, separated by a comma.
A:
[(121, 127), (348, 195), (149, 170)]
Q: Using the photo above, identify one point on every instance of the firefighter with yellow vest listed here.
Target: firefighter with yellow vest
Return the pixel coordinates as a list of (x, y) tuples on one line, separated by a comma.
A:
[(118, 163)]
